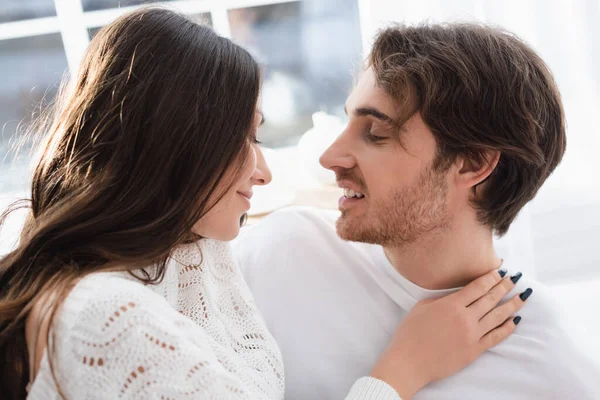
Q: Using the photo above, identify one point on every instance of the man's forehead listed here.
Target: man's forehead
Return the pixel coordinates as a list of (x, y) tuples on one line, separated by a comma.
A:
[(367, 94)]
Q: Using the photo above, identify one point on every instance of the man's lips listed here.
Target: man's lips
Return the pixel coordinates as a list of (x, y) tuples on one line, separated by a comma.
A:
[(345, 184)]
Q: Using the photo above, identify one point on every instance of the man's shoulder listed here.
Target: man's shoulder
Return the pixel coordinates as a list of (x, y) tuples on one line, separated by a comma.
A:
[(543, 321), (542, 308), (543, 345), (294, 232), (538, 361)]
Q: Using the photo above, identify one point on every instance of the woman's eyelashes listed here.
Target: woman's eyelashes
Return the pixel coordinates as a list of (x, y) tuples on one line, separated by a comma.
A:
[(261, 123), (254, 138)]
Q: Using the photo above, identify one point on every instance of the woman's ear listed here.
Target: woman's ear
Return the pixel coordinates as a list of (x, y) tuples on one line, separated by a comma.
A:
[(474, 171)]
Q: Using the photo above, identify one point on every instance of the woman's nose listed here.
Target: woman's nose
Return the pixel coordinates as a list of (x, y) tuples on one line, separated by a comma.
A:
[(262, 174)]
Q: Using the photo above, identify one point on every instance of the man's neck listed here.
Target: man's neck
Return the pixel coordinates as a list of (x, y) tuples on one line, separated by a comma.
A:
[(447, 259)]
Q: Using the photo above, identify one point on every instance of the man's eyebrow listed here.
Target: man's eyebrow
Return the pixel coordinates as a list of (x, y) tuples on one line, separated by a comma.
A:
[(373, 112)]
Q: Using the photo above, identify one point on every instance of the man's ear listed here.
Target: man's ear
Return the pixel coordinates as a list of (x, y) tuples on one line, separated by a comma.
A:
[(474, 171)]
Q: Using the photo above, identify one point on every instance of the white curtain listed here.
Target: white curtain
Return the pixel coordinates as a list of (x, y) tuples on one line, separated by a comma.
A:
[(558, 232)]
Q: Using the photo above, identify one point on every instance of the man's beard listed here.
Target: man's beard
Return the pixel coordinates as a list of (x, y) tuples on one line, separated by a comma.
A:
[(403, 216)]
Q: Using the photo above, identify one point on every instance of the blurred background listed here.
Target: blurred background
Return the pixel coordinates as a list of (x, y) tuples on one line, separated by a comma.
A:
[(312, 50)]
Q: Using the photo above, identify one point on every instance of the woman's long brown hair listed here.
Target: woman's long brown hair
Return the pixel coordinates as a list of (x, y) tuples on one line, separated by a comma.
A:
[(158, 116)]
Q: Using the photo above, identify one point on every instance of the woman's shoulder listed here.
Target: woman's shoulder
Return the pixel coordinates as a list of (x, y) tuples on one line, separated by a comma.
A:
[(90, 303), (111, 325), (105, 306), (105, 311), (104, 298)]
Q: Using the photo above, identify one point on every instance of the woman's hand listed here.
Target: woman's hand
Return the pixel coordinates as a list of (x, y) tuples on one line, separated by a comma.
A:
[(441, 336)]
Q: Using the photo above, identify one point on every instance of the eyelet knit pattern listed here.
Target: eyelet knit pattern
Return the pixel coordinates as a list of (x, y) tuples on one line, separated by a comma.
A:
[(196, 334)]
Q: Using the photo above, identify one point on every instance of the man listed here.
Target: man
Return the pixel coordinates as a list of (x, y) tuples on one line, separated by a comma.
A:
[(452, 130)]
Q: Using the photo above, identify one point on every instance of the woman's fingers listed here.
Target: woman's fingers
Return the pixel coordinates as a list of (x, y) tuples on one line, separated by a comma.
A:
[(498, 334), (479, 287), (501, 313), (488, 301)]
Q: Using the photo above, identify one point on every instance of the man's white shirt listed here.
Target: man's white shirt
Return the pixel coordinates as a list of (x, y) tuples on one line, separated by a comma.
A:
[(333, 306)]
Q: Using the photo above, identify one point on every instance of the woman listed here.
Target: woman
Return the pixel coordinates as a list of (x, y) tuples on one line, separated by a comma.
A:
[(122, 285)]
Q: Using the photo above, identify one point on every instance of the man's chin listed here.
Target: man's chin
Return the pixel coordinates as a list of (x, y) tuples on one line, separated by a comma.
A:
[(353, 230)]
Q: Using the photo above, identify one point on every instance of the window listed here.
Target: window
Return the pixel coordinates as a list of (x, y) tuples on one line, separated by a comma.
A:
[(17, 10), (303, 73), (31, 69), (41, 40), (201, 18), (93, 5)]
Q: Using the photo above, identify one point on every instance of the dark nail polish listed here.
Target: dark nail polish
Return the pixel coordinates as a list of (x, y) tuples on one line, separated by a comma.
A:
[(502, 272), (516, 320), (515, 278), (526, 294)]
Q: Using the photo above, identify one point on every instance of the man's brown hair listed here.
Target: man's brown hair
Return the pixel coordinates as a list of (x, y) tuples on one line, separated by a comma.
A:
[(478, 89)]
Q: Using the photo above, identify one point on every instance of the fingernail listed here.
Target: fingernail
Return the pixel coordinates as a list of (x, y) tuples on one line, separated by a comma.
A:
[(516, 320), (502, 272), (526, 294), (515, 278)]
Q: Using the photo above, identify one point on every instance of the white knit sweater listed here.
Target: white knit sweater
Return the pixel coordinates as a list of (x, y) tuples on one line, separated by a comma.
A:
[(195, 335)]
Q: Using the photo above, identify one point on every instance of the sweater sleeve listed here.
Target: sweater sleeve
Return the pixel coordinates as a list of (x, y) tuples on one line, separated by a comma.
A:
[(369, 388), (128, 343)]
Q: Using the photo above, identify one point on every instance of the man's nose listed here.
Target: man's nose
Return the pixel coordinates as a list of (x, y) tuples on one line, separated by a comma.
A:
[(337, 156)]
